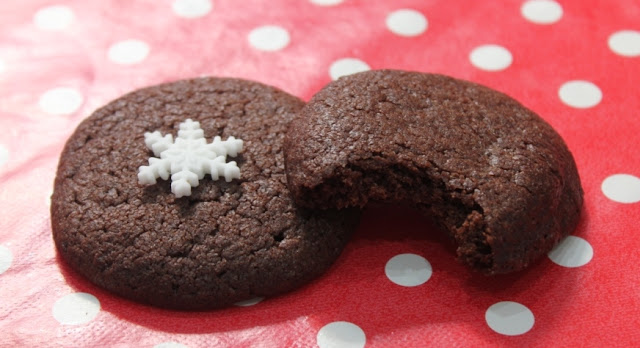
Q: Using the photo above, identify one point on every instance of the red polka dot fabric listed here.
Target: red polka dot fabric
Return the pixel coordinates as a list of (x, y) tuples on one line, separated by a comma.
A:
[(397, 284)]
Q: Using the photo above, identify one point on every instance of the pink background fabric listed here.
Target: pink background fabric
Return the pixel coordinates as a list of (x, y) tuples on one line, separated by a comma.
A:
[(594, 304)]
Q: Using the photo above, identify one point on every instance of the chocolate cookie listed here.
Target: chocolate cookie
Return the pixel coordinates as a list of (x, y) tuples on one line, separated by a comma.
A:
[(492, 173), (229, 240)]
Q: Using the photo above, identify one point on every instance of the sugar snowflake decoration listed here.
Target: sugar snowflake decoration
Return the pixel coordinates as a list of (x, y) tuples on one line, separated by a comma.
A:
[(189, 158)]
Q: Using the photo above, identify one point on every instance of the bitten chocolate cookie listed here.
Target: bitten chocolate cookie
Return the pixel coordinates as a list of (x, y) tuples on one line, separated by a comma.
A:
[(231, 239), (492, 173)]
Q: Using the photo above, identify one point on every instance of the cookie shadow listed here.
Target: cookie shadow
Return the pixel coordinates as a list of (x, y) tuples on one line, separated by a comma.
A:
[(356, 287), (463, 295)]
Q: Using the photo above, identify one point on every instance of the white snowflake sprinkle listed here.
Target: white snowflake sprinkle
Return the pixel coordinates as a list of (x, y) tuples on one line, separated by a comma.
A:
[(189, 158)]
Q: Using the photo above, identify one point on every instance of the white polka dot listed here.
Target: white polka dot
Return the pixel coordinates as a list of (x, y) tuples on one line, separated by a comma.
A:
[(572, 252), (55, 17), (170, 345), (77, 308), (580, 94), (509, 318), (541, 11), (192, 8), (6, 258), (47, 199), (341, 334), (491, 57), (128, 51), (625, 43), (249, 302), (269, 38), (326, 2), (347, 66), (408, 270), (61, 101), (4, 155), (407, 22), (622, 188)]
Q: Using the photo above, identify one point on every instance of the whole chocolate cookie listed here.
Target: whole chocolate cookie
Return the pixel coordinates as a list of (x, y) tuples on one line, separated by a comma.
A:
[(223, 243), (492, 173)]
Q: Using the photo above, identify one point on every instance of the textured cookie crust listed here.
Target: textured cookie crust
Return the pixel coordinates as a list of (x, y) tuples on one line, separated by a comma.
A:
[(226, 242), (492, 173)]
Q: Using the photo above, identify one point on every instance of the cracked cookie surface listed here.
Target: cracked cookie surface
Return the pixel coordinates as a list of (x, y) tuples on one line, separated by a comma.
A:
[(488, 170), (227, 241)]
